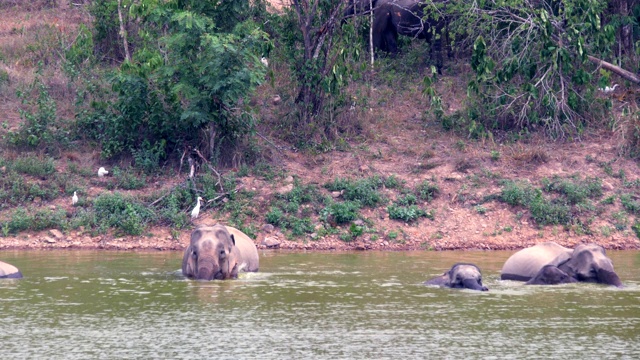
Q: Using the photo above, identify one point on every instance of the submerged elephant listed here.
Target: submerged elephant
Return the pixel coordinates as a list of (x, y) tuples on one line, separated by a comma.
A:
[(8, 271), (460, 276), (587, 262), (550, 275), (219, 252)]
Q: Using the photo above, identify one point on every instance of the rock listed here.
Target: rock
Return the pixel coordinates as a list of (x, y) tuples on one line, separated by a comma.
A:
[(358, 222), (336, 194), (364, 168), (268, 228), (285, 189), (288, 180), (360, 246), (49, 240), (271, 243), (276, 100), (56, 233)]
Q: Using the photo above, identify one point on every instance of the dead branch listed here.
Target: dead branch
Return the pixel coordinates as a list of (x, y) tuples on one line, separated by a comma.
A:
[(616, 69), (210, 168)]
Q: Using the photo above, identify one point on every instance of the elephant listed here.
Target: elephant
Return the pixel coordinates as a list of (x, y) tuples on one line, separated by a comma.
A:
[(585, 263), (401, 17), (219, 252), (460, 276), (550, 275), (8, 271)]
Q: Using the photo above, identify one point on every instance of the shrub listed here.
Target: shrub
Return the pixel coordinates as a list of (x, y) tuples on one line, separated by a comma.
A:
[(575, 191), (363, 190), (426, 190), (407, 213), (32, 165), (343, 212), (121, 212), (517, 193)]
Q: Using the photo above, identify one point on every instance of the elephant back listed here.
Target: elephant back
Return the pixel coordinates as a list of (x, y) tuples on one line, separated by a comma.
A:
[(9, 271), (248, 253), (526, 263)]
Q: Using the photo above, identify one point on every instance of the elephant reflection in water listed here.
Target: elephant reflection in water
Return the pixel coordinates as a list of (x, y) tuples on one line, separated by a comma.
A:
[(585, 263), (460, 276)]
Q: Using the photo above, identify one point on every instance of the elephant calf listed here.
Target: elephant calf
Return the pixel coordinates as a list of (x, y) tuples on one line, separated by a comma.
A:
[(550, 275), (219, 252), (8, 271), (460, 276)]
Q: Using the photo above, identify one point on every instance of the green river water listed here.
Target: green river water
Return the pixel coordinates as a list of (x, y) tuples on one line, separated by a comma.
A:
[(371, 305)]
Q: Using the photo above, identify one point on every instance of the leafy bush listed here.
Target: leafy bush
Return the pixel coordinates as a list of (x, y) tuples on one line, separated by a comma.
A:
[(517, 193), (575, 191), (123, 213), (546, 212), (32, 165), (342, 212), (363, 190), (426, 190), (632, 206)]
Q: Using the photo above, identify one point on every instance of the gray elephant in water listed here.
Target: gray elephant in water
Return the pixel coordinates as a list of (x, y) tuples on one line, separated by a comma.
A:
[(8, 271), (460, 276), (550, 275), (219, 252), (587, 262)]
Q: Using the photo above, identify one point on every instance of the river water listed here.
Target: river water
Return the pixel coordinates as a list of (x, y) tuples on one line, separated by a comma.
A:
[(371, 305)]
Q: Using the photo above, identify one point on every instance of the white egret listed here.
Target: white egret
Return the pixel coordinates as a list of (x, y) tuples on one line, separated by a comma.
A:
[(102, 172), (196, 210), (265, 61), (74, 199), (608, 89)]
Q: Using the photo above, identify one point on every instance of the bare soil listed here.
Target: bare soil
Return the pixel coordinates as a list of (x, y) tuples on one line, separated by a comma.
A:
[(395, 140)]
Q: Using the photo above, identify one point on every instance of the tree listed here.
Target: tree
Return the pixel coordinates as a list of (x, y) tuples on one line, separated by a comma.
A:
[(184, 84), (531, 62)]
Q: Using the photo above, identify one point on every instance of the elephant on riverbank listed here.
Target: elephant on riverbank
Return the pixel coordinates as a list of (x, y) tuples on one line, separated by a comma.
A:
[(8, 271), (219, 252), (402, 17), (460, 276), (587, 262), (550, 275)]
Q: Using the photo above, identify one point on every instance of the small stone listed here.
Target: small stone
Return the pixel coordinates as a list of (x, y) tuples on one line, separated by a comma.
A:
[(49, 240), (285, 189), (268, 228), (336, 194), (271, 242), (288, 180), (358, 222), (56, 233), (364, 168)]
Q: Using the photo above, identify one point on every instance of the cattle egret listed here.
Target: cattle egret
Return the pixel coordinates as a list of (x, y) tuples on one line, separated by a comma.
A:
[(608, 89), (102, 172), (74, 199), (265, 61), (196, 210)]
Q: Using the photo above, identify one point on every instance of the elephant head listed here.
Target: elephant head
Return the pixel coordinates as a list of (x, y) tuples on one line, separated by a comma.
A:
[(212, 254), (8, 271), (589, 263), (460, 276), (550, 275)]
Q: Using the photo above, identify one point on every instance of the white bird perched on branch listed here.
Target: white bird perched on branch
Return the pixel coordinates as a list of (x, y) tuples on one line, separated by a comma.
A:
[(196, 210), (74, 199), (265, 61), (608, 89), (102, 172)]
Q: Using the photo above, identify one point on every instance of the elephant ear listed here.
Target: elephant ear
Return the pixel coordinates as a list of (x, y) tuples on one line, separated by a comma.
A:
[(188, 266)]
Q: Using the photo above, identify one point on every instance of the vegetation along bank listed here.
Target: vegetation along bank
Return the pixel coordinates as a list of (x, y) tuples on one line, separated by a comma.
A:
[(274, 114)]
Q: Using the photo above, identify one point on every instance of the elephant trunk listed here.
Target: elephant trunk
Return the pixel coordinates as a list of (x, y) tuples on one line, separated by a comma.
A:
[(608, 277), (474, 285), (207, 268)]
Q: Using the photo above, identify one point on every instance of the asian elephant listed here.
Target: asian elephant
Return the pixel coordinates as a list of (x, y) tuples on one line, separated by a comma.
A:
[(402, 17), (550, 275), (8, 271), (587, 262), (219, 252), (410, 18), (460, 276)]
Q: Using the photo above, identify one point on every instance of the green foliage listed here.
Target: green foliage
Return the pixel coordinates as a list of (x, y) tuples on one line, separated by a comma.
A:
[(426, 190), (22, 220), (517, 193), (575, 191), (184, 83), (407, 213), (364, 191), (632, 206), (38, 117), (546, 212), (531, 66), (342, 212), (34, 166), (636, 229), (122, 212), (126, 180)]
